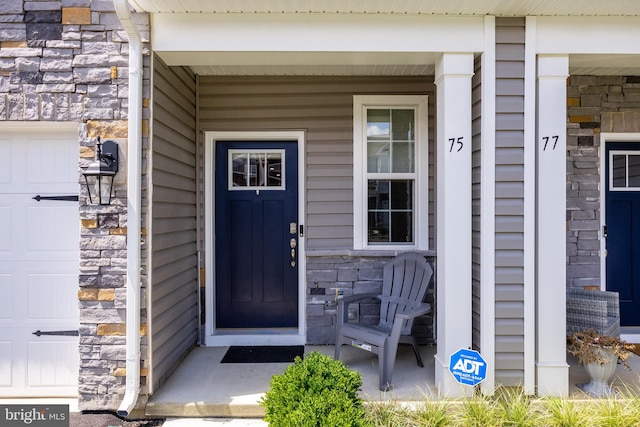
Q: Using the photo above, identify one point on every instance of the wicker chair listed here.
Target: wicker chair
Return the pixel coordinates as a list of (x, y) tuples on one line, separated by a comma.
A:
[(599, 310)]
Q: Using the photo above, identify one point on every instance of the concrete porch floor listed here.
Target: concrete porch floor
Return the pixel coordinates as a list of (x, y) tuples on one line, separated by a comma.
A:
[(203, 387)]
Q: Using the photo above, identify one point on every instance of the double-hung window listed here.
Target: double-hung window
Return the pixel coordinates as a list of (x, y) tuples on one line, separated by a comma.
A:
[(390, 172)]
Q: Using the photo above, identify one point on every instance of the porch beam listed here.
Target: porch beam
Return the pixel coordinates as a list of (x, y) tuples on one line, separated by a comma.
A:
[(453, 149), (551, 365), (356, 39), (616, 35)]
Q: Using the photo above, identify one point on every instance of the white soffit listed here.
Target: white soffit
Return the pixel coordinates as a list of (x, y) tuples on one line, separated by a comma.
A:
[(400, 7), (604, 65), (315, 70)]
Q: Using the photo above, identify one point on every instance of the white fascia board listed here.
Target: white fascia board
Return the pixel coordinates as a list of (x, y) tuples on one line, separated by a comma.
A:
[(315, 33), (587, 35)]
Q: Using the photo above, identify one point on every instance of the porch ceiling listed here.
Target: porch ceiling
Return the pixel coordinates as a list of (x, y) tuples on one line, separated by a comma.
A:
[(223, 65), (604, 65), (316, 70), (450, 7), (313, 64)]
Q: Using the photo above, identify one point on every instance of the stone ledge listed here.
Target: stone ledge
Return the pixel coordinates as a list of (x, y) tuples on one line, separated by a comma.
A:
[(363, 252)]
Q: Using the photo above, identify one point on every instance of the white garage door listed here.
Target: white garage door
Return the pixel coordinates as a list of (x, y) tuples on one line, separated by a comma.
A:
[(39, 261)]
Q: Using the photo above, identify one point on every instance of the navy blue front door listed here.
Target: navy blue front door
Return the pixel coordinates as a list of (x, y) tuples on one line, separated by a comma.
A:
[(623, 227), (256, 217)]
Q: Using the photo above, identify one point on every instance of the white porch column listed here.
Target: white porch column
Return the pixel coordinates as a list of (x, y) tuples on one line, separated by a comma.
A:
[(551, 366), (453, 149)]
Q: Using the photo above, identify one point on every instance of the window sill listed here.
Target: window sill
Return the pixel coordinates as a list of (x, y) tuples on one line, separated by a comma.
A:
[(364, 252)]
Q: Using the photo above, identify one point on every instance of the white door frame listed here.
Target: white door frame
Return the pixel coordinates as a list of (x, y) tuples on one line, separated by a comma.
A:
[(605, 138), (212, 337)]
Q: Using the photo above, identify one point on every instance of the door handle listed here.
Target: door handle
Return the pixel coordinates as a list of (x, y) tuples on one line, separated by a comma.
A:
[(61, 333), (71, 198), (292, 244)]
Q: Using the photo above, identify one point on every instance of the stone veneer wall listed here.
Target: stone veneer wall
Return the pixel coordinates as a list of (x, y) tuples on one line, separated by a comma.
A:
[(351, 273), (64, 61), (595, 104)]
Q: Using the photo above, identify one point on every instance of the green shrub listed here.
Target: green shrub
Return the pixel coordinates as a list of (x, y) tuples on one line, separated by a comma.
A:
[(316, 391)]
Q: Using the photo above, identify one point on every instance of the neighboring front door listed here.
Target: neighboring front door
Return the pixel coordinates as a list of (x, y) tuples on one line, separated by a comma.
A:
[(623, 227), (39, 260), (256, 229)]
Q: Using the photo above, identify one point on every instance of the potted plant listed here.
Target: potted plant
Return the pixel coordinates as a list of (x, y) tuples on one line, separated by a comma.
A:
[(599, 354)]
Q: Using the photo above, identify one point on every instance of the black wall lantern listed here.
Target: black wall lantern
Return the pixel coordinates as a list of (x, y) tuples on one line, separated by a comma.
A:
[(100, 174)]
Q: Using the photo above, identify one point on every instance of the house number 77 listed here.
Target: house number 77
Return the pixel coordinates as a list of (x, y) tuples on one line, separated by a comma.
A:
[(456, 142), (546, 140)]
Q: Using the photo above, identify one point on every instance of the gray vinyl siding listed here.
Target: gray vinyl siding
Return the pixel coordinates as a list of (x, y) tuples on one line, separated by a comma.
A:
[(476, 208), (174, 272), (509, 208), (323, 107)]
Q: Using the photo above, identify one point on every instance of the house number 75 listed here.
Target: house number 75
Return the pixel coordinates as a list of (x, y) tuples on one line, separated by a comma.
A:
[(456, 142)]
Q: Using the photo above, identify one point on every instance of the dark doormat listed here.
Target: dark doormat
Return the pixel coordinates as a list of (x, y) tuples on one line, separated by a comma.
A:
[(263, 354)]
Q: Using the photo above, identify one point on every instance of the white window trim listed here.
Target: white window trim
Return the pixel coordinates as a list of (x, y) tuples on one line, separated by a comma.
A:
[(421, 206), (609, 178), (230, 185)]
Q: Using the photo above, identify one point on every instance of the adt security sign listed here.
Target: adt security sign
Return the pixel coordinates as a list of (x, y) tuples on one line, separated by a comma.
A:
[(468, 367)]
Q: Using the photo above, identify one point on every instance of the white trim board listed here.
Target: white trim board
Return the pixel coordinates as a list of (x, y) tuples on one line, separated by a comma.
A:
[(587, 35), (530, 130), (40, 126), (295, 336), (488, 201), (288, 36), (630, 338)]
